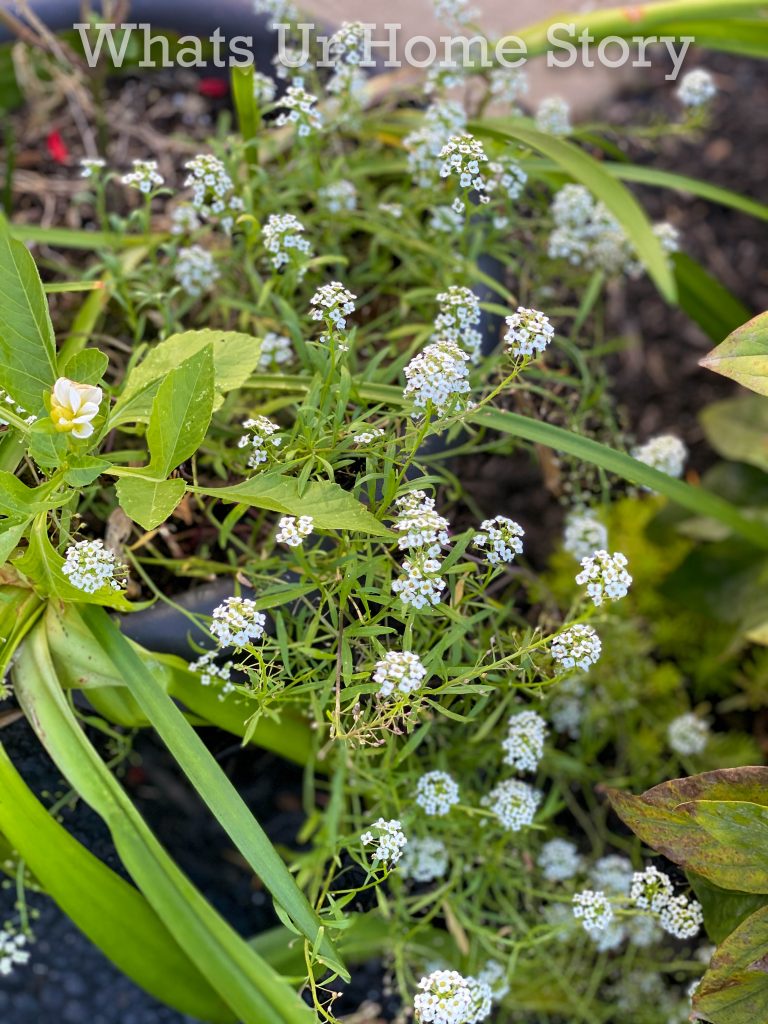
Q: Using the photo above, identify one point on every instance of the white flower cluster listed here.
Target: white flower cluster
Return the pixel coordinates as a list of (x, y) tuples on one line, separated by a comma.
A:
[(665, 453), (681, 917), (584, 533), (612, 873), (420, 526), (528, 331), (652, 891), (212, 673), (524, 745), (576, 647), (458, 318), (279, 11), (508, 85), (291, 62), (195, 270), (264, 89), (91, 167), (260, 439), (436, 793), (696, 88), (284, 241), (441, 121), (90, 567), (462, 155), (368, 436), (559, 860), (514, 803), (444, 997), (424, 860), (144, 176), (237, 622), (445, 218), (605, 576), (443, 76), (553, 116), (421, 583), (348, 82), (388, 838), (184, 219), (276, 351), (567, 709), (668, 236), (481, 998), (347, 44), (302, 110), (339, 196), (507, 176), (12, 952), (495, 977), (399, 670), (332, 303), (438, 375), (592, 908), (500, 539), (455, 13), (212, 190), (293, 531), (688, 734)]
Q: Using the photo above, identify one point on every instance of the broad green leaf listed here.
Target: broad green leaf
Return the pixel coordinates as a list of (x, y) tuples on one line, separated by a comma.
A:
[(47, 446), (181, 414), (149, 502), (18, 500), (723, 910), (741, 826), (737, 428), (111, 912), (84, 469), (244, 981), (716, 310), (86, 367), (27, 344), (743, 356), (11, 533), (331, 507), (735, 988)]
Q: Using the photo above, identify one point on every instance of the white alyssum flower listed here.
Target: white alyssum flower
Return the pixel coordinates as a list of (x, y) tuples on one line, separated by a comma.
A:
[(368, 436), (665, 452), (285, 242), (302, 109), (91, 167), (12, 952), (74, 407), (420, 526), (612, 873), (90, 567), (567, 708), (681, 917), (584, 534), (421, 583), (144, 176), (436, 793), (212, 673), (553, 116), (455, 13), (293, 531), (462, 155), (643, 931), (668, 235), (559, 860), (184, 219), (237, 622), (524, 745), (438, 376), (399, 670), (593, 909), (332, 304), (276, 351), (213, 191), (495, 976), (508, 85), (500, 539), (445, 218), (424, 860), (442, 120), (481, 998), (514, 803), (688, 734), (278, 11), (458, 318), (506, 176), (339, 196), (264, 88), (443, 77), (444, 997), (388, 838), (291, 62), (576, 647), (651, 889), (696, 88), (608, 939), (260, 438), (347, 44), (605, 576), (195, 270), (528, 331)]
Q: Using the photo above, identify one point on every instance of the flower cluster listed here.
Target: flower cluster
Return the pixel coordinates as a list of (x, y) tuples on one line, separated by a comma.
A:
[(559, 860), (424, 860), (279, 11), (421, 583), (688, 734), (195, 270), (399, 670), (592, 908), (424, 146), (665, 453), (264, 89), (507, 85), (444, 997), (584, 534), (455, 13), (696, 88), (420, 526), (91, 167), (481, 998), (499, 539), (285, 242), (237, 622), (388, 838), (553, 116), (681, 917), (212, 673), (368, 436), (528, 331), (212, 190), (339, 196), (74, 407), (462, 156), (436, 793), (347, 44), (293, 531), (302, 110), (184, 219), (514, 803), (507, 176), (605, 576), (12, 952), (650, 889), (332, 303), (144, 176), (612, 873), (524, 745), (90, 567), (438, 376), (567, 708), (576, 647), (458, 318), (276, 351), (495, 977), (260, 439)]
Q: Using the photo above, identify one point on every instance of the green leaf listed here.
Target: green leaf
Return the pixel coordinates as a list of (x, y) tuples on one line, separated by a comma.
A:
[(47, 446), (742, 827), (86, 367), (18, 500), (11, 533), (331, 507), (248, 119), (27, 344), (716, 310), (84, 469), (181, 414), (149, 502), (737, 428), (723, 910), (735, 988), (743, 356), (110, 911), (619, 200)]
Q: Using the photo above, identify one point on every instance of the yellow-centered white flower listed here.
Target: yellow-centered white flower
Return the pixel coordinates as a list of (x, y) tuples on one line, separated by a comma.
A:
[(74, 407)]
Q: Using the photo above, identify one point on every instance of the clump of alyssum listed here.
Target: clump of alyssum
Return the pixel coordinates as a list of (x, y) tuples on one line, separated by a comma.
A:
[(650, 889), (665, 452), (195, 270), (584, 534), (688, 734), (212, 673), (507, 176), (524, 745), (421, 583), (566, 709), (514, 803), (276, 350), (528, 332), (436, 793), (184, 219), (437, 376), (144, 176), (399, 670), (559, 860), (279, 11), (424, 860), (264, 89), (576, 647), (293, 531), (458, 318), (302, 110), (553, 116), (441, 121), (91, 167), (612, 873), (455, 14), (388, 838), (495, 977), (481, 998), (444, 997), (237, 622), (462, 155), (285, 242), (507, 85), (696, 88), (90, 567), (332, 304), (681, 917), (212, 189), (12, 952), (261, 440), (593, 909), (605, 576), (339, 196), (500, 539), (74, 407), (368, 436), (419, 525)]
